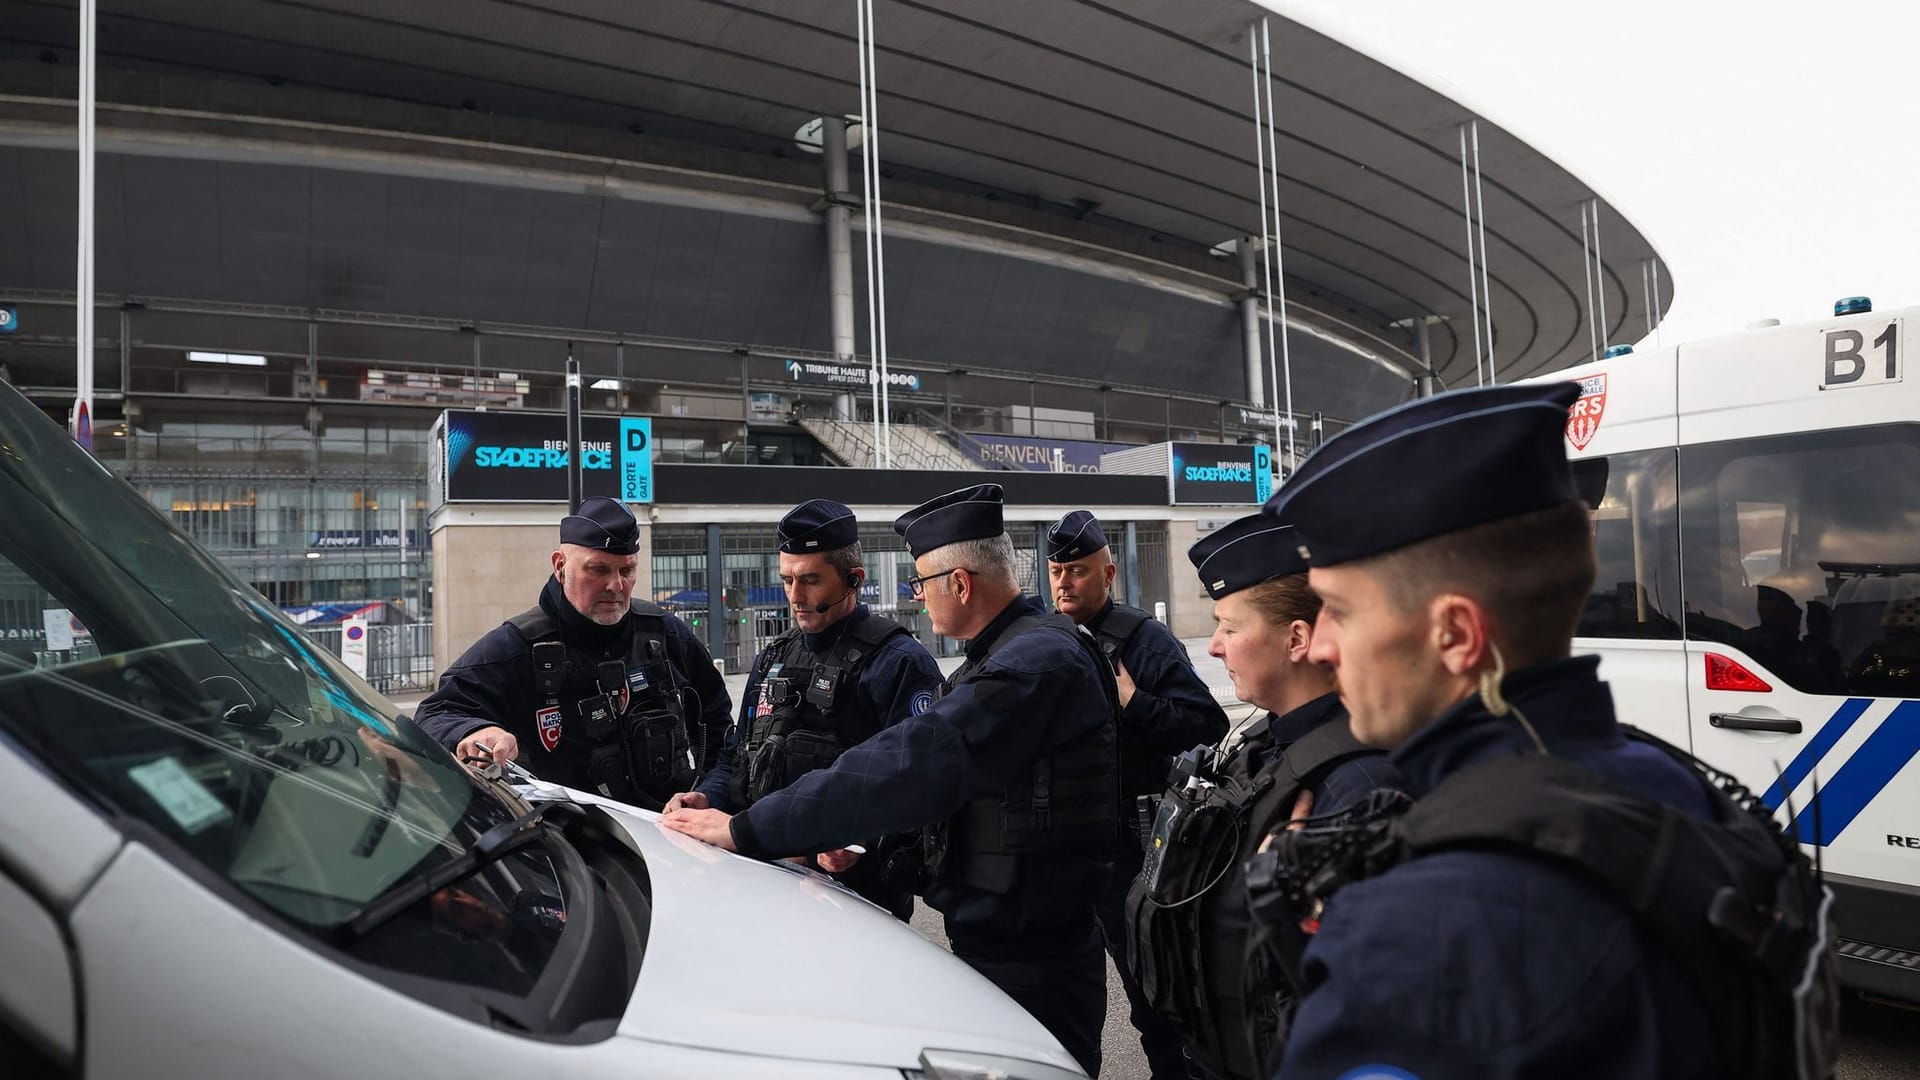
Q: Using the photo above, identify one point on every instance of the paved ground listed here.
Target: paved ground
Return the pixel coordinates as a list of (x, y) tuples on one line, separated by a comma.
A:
[(1882, 1041)]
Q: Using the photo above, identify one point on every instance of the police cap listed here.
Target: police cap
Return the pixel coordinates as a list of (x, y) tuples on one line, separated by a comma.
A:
[(818, 525), (1431, 467), (1075, 536), (972, 513), (603, 524), (1245, 552)]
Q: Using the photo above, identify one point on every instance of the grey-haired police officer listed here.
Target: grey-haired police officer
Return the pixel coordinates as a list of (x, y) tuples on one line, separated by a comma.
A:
[(1454, 557), (1165, 708), (839, 675), (1011, 775), (591, 687)]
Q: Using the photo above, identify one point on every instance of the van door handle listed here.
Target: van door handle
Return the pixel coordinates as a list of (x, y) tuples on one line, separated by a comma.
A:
[(1736, 722)]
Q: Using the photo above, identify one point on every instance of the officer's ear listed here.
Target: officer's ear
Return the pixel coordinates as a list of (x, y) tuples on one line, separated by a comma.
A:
[(1299, 640), (559, 560), (1460, 633)]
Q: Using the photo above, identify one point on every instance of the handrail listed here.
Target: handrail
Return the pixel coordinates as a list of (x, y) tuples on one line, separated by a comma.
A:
[(965, 441)]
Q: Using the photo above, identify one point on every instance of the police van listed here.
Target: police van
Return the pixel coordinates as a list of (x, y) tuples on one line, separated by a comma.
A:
[(1756, 513)]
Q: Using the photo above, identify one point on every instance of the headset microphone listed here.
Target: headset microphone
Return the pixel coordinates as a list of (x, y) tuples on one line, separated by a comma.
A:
[(853, 589)]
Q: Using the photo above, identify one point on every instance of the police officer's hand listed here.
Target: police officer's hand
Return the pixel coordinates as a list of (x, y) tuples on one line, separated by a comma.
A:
[(837, 861), (711, 826), (686, 800), (1124, 681), (1302, 810), (488, 745)]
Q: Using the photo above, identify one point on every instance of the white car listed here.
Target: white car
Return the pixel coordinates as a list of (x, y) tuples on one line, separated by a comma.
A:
[(225, 856)]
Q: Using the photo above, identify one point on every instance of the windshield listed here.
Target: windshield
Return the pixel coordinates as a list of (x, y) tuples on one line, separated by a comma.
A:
[(150, 678)]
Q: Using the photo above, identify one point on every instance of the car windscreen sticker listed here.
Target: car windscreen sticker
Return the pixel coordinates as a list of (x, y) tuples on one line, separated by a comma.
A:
[(186, 800)]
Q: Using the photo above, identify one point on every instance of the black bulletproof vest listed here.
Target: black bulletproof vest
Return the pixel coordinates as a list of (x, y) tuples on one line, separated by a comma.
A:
[(1732, 898), (1064, 802), (640, 753), (1187, 919), (810, 709)]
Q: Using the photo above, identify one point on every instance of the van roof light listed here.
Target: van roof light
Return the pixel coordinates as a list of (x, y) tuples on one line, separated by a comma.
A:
[(1852, 305), (1616, 350)]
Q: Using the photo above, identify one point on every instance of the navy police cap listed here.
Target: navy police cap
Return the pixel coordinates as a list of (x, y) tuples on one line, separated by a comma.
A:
[(972, 513), (1245, 552), (603, 524), (818, 525), (1431, 467), (1075, 536)]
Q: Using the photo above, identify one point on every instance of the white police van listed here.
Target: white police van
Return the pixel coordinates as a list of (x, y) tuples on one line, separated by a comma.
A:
[(1757, 521), (223, 855)]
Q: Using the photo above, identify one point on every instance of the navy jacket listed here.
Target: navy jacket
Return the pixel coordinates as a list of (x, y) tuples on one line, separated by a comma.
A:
[(1037, 695), (492, 684), (1481, 964), (1344, 785), (899, 681), (1172, 710)]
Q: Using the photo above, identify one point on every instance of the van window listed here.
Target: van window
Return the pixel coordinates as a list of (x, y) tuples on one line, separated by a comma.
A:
[(1804, 552), (1636, 593)]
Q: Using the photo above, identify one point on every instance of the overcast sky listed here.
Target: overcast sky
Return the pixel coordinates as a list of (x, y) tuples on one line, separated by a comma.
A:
[(1767, 149)]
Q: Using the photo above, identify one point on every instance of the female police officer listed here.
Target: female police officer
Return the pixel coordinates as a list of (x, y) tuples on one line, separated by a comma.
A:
[(1189, 912)]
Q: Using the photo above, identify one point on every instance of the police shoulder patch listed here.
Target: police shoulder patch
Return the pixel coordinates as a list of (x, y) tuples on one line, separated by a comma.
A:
[(547, 721), (922, 701)]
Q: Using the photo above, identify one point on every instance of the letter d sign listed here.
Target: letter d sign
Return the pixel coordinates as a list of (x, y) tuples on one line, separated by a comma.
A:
[(636, 459)]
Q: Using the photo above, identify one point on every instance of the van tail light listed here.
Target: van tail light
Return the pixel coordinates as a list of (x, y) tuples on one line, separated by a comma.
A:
[(1726, 673)]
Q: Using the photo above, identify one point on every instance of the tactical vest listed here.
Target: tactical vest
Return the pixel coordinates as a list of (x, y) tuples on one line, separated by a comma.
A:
[(1732, 899), (1187, 923), (809, 710), (1118, 628), (1064, 802), (639, 731)]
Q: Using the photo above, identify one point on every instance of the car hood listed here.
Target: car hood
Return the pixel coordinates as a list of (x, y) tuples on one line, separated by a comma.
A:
[(770, 959)]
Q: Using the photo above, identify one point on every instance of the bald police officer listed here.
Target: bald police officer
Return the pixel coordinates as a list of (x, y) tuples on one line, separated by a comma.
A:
[(838, 676), (591, 687), (1165, 708), (1011, 775)]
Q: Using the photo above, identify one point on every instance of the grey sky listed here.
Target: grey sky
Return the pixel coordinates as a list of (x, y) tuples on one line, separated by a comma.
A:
[(1765, 148)]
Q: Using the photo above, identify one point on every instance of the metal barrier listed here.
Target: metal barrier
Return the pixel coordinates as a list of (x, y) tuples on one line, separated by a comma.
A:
[(399, 656)]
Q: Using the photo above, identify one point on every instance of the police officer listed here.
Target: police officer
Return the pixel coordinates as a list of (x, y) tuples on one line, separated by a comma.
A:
[(1164, 708), (1190, 914), (1450, 607), (590, 688), (839, 675), (1011, 775)]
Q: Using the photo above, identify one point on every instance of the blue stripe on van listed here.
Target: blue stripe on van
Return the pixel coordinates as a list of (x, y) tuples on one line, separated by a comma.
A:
[(1816, 748), (1866, 774)]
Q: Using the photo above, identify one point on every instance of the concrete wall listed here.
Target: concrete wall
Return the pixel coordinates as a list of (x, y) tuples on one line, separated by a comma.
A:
[(1189, 608), (489, 563)]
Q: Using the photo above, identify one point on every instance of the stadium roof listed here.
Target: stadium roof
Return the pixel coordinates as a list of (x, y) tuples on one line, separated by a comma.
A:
[(1116, 129)]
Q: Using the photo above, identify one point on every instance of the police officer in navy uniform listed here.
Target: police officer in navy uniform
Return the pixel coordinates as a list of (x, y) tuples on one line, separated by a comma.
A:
[(1164, 708), (1189, 917), (839, 675), (591, 688), (1011, 775), (1454, 557)]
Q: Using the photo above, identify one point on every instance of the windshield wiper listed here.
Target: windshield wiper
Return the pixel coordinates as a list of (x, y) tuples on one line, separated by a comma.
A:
[(494, 844)]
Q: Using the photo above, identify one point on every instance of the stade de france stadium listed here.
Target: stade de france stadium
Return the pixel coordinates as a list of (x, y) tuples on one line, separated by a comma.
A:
[(320, 227)]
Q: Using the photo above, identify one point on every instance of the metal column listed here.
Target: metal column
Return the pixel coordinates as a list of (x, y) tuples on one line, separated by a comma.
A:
[(1130, 569), (1250, 325), (833, 160), (716, 596)]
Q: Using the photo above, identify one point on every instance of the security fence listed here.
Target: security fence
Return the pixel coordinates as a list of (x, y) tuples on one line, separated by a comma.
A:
[(399, 656)]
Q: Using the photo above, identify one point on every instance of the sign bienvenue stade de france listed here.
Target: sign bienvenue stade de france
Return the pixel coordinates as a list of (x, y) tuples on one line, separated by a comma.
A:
[(522, 457)]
